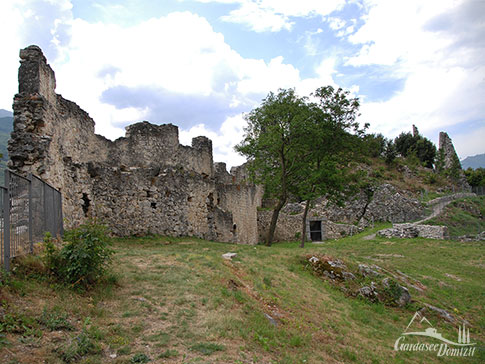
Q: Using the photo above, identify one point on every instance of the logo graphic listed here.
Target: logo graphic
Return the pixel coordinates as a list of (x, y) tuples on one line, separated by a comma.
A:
[(462, 347)]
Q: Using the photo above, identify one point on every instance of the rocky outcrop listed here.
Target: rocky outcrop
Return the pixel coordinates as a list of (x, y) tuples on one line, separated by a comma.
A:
[(392, 205), (381, 203), (382, 288)]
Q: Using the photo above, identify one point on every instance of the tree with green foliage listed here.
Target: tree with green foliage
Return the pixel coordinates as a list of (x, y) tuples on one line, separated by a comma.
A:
[(300, 148), (408, 144), (333, 141), (274, 143), (404, 143), (475, 177), (375, 144), (425, 151), (390, 152)]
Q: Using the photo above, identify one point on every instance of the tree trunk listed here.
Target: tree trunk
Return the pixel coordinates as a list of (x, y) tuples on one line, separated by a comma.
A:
[(274, 220), (303, 232)]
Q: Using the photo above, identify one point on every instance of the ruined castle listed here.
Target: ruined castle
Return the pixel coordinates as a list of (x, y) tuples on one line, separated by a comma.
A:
[(143, 183), (148, 183)]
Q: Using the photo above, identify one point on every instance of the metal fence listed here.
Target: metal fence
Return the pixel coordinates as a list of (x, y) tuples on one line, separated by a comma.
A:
[(30, 207), (479, 190)]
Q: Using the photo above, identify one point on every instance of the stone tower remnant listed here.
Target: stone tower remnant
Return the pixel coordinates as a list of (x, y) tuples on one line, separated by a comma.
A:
[(449, 159), (448, 150), (415, 131), (145, 182)]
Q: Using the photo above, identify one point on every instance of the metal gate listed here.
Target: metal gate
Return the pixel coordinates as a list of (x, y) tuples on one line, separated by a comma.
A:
[(30, 207)]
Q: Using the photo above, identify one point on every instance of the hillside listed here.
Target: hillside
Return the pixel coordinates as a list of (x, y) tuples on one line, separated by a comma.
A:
[(464, 217), (6, 127), (476, 161), (179, 301), (4, 113)]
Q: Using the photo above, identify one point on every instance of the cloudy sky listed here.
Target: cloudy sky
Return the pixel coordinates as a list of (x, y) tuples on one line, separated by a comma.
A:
[(201, 64)]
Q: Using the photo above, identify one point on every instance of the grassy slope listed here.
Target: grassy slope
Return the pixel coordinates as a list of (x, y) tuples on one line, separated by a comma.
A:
[(178, 298), (463, 217)]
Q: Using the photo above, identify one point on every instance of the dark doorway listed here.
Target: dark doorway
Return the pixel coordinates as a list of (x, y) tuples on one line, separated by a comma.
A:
[(86, 204), (316, 230)]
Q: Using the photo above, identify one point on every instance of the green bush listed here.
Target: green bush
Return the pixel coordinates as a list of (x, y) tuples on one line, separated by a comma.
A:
[(85, 257), (139, 358), (80, 346)]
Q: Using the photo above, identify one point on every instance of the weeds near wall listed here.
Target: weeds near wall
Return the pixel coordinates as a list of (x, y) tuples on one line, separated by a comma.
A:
[(83, 260)]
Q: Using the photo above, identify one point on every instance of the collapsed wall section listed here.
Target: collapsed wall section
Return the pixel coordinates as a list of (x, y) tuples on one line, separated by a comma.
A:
[(145, 182)]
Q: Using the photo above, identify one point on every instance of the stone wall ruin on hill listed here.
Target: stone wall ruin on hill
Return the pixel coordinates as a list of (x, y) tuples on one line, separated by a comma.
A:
[(450, 162), (145, 182)]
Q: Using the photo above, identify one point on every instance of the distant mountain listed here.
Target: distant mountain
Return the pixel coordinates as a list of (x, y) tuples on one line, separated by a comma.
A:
[(4, 113), (477, 161), (6, 127)]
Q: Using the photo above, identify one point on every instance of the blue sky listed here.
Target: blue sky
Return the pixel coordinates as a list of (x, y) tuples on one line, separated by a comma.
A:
[(201, 64)]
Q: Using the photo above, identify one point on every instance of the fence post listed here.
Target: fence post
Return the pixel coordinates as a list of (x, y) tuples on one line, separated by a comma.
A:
[(61, 215), (31, 240), (6, 222), (44, 202)]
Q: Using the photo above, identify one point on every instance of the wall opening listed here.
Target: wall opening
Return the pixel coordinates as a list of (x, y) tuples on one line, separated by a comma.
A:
[(86, 203), (316, 230), (153, 205)]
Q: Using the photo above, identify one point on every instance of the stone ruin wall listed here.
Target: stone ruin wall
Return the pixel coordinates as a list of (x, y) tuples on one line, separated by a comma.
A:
[(385, 203), (451, 160), (145, 182)]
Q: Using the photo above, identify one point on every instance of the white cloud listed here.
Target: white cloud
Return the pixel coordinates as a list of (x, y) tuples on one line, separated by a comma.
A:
[(223, 140), (469, 143), (179, 55), (274, 15), (10, 18), (336, 23), (443, 81), (258, 18)]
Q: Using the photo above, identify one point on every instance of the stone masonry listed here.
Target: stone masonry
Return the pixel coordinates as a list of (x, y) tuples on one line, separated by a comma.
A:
[(450, 160), (148, 183), (145, 182)]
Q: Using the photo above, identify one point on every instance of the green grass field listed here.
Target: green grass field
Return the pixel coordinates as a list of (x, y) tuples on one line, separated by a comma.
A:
[(178, 301)]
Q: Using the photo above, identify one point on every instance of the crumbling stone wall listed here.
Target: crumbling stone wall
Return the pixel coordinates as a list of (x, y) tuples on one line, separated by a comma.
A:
[(448, 161), (414, 231), (449, 154), (145, 182), (288, 227), (383, 203)]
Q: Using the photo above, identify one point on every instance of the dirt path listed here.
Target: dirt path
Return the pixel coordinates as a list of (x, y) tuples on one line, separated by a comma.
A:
[(439, 204)]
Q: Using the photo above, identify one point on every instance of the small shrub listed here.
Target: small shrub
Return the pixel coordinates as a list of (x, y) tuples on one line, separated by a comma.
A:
[(4, 277), (55, 320), (168, 354), (80, 346), (139, 358), (430, 178), (28, 265), (51, 256), (391, 293), (85, 257), (207, 348), (17, 323)]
